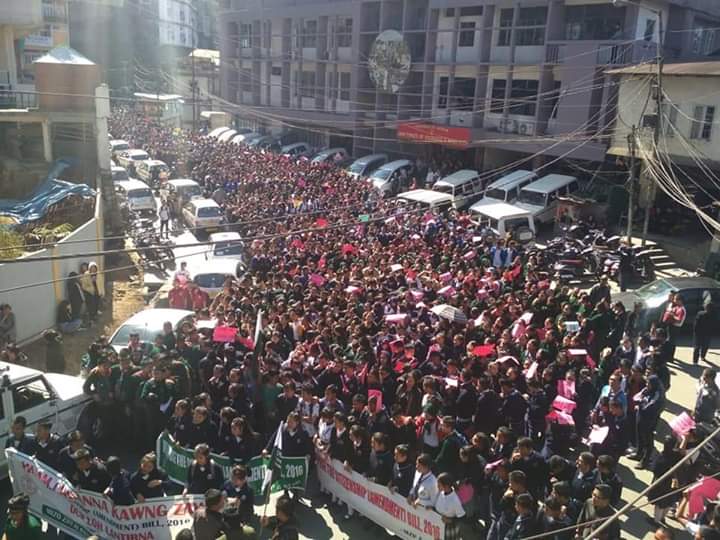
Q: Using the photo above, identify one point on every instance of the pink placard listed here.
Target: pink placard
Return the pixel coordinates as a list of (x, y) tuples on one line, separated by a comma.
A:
[(561, 417), (598, 434), (247, 342), (377, 394), (447, 291), (566, 388), (417, 295), (447, 276), (682, 424), (317, 279), (526, 317), (518, 330), (470, 255), (396, 317), (564, 404), (490, 467), (352, 289), (224, 334)]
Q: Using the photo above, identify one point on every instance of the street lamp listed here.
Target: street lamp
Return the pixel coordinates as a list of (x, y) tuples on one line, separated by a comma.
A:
[(659, 60)]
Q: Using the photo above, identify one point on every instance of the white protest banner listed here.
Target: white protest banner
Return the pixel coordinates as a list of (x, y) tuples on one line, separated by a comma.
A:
[(377, 503), (81, 513)]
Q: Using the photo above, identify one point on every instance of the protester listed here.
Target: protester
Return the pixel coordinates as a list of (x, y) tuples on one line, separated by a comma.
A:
[(20, 525)]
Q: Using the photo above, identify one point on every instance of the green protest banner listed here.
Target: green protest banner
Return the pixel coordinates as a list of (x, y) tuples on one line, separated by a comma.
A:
[(175, 461)]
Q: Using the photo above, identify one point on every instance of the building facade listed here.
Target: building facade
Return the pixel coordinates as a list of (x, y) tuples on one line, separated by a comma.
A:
[(495, 80), (17, 21), (53, 33), (177, 23)]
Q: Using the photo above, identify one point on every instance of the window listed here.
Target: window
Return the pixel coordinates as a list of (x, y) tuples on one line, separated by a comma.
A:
[(506, 22), (553, 99), (649, 29), (245, 37), (459, 97), (704, 37), (343, 32), (466, 37), (345, 86), (498, 95), (276, 71), (308, 38), (471, 11), (591, 22), (703, 116), (30, 394), (450, 12), (246, 80), (523, 97), (669, 119), (307, 84), (531, 26)]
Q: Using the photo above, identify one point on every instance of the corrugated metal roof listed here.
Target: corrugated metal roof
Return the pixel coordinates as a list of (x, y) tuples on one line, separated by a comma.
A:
[(64, 55), (684, 69)]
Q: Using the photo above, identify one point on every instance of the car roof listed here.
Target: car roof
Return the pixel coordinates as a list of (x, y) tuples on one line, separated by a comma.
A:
[(152, 314), (204, 203), (224, 236), (183, 182), (17, 372), (214, 266), (499, 210), (217, 131), (118, 141), (458, 177), (425, 195), (699, 282), (329, 151), (135, 152), (227, 135), (370, 157), (132, 183), (293, 145), (152, 162), (396, 164), (513, 177), (117, 168), (549, 183)]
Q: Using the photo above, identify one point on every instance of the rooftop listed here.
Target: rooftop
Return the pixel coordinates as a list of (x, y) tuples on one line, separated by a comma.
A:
[(694, 69)]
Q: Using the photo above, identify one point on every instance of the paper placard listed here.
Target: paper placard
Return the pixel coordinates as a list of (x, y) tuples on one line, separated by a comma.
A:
[(224, 334)]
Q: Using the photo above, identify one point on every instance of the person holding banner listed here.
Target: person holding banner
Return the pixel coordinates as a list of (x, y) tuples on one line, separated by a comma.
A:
[(20, 525), (448, 505), (148, 481), (424, 489)]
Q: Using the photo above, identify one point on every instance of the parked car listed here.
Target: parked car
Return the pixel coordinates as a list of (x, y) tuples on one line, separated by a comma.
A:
[(507, 188), (226, 245), (296, 150), (118, 173), (152, 171), (366, 164), (137, 195), (338, 156), (501, 218), (148, 323), (695, 292), (541, 197), (38, 396), (386, 179), (203, 214), (465, 186), (130, 158), (425, 198), (211, 275), (215, 133), (179, 192)]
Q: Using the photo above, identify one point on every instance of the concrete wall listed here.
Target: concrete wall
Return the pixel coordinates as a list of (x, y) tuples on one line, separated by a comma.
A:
[(35, 308)]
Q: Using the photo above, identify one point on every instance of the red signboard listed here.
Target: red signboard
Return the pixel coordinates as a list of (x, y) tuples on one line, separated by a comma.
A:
[(432, 133)]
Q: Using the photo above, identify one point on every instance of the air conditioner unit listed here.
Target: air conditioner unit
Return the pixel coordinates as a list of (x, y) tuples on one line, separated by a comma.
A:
[(526, 128), (508, 125)]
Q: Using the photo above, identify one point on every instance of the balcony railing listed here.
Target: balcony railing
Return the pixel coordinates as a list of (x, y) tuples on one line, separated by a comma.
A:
[(10, 99), (54, 13)]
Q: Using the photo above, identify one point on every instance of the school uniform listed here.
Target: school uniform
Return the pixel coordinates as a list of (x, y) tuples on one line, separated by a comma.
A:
[(200, 478), (402, 477), (424, 489), (448, 505)]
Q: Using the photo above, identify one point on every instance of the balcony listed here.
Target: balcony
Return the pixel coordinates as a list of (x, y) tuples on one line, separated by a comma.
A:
[(601, 52), (27, 13), (54, 13)]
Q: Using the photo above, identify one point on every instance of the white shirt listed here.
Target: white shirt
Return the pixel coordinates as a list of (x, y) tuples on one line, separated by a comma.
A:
[(424, 489), (311, 409), (449, 505), (325, 430)]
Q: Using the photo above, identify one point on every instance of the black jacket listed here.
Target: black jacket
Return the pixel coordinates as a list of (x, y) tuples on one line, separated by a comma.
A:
[(402, 477), (200, 479), (139, 483)]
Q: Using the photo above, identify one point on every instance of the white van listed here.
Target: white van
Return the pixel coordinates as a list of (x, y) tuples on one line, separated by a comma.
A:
[(507, 188), (117, 146), (366, 164), (296, 150), (137, 195), (465, 186), (501, 218), (152, 171), (426, 198), (386, 179), (541, 197), (179, 192)]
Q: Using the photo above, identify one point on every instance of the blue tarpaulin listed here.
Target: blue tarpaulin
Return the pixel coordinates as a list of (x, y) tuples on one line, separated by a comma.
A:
[(51, 191)]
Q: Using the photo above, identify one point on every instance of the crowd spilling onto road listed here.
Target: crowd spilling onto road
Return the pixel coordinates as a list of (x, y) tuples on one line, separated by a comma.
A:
[(404, 344)]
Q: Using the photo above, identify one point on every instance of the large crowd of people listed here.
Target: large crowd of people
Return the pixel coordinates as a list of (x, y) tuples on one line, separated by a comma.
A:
[(401, 342)]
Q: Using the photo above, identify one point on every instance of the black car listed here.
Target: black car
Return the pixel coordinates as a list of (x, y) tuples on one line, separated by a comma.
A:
[(696, 292)]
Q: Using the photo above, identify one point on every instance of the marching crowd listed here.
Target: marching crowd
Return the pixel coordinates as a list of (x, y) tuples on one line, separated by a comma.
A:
[(419, 353)]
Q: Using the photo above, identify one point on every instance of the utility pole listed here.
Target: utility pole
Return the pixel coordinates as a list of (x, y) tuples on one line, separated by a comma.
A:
[(631, 188), (658, 122), (193, 83)]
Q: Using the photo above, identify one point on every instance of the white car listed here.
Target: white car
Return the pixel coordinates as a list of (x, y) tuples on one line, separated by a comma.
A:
[(203, 214), (501, 218), (130, 158), (137, 195), (38, 396), (226, 245), (152, 171), (210, 276), (118, 145), (148, 323), (118, 173)]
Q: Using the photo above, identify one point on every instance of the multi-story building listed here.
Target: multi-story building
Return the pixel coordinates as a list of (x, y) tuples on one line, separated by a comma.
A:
[(17, 21), (53, 32), (177, 23), (497, 80)]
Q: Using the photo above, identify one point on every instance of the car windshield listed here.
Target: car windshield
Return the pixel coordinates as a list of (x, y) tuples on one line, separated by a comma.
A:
[(382, 174), (139, 157), (147, 332), (497, 194), (443, 188), (121, 147), (190, 191), (322, 156), (659, 287), (356, 168), (227, 249), (209, 211), (119, 175), (210, 281), (532, 197), (139, 193)]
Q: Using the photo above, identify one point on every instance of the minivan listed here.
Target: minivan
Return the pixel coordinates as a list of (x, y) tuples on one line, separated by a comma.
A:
[(179, 192), (152, 171), (296, 150), (137, 195), (507, 188), (464, 186), (541, 197), (386, 179), (501, 219), (366, 164), (331, 155), (117, 146)]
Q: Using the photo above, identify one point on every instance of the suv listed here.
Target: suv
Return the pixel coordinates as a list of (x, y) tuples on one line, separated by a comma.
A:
[(39, 396)]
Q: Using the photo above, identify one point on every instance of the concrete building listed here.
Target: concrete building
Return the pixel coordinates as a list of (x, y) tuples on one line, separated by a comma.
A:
[(495, 80), (177, 24), (53, 33), (17, 21)]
